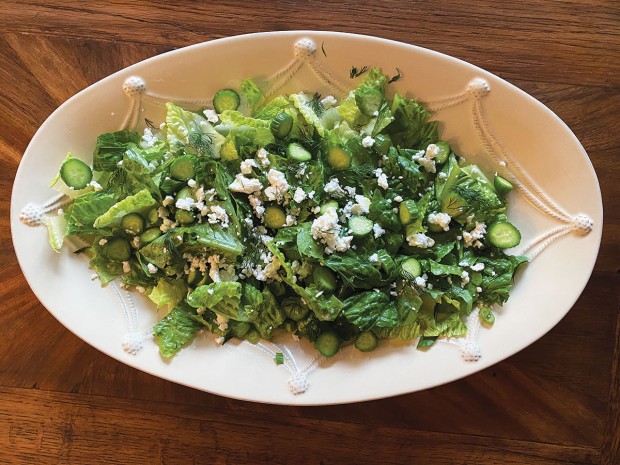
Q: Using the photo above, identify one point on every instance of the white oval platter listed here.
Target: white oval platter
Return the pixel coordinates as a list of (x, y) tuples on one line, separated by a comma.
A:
[(557, 206)]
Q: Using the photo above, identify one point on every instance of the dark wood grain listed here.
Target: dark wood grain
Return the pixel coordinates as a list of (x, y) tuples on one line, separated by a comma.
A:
[(556, 402)]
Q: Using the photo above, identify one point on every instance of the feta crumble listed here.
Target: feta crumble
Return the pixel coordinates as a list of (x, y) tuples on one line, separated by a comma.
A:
[(378, 230), (382, 180), (420, 240), (151, 268), (473, 237), (327, 230), (440, 219), (329, 102), (211, 115), (263, 157), (245, 185), (368, 142), (278, 185), (247, 165), (299, 195), (333, 188)]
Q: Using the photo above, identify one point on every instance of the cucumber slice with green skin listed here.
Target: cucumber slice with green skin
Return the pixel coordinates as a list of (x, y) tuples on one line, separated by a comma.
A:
[(487, 317), (152, 217), (117, 250), (194, 277), (503, 235), (184, 217), (366, 341), (186, 193), (281, 125), (360, 226), (338, 158), (274, 217), (226, 99), (454, 205), (407, 212), (295, 151), (328, 343), (382, 144), (330, 204), (443, 151), (294, 308), (182, 169), (324, 278), (149, 235), (412, 267), (75, 173), (133, 223), (502, 185)]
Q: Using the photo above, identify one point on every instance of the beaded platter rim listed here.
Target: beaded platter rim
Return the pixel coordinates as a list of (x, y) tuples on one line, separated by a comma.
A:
[(304, 53)]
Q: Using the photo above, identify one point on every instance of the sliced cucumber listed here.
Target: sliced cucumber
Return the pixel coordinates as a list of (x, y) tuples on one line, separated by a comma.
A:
[(152, 216), (443, 151), (226, 99), (327, 343), (117, 250), (186, 193), (360, 225), (184, 217), (133, 223), (338, 158), (330, 204), (407, 211), (366, 341), (502, 185), (252, 336), (75, 173), (149, 235), (275, 217), (294, 308), (324, 278), (281, 125), (503, 235), (295, 151), (412, 267), (182, 169)]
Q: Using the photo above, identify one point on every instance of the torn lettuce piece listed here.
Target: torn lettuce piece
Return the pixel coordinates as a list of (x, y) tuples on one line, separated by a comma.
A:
[(176, 330), (138, 203)]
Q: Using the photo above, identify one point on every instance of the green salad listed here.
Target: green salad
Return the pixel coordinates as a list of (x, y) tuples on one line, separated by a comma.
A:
[(342, 222)]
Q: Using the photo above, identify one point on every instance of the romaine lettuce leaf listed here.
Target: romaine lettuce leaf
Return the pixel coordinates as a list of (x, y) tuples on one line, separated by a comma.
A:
[(176, 329), (111, 147), (223, 298), (138, 203), (168, 293)]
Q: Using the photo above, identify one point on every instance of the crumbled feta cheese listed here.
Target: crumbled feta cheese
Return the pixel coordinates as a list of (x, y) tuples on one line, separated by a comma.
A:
[(151, 268), (126, 267), (398, 198), (192, 183), (381, 178), (440, 219), (378, 230), (185, 203), (477, 267), (502, 163), (222, 321), (95, 185), (214, 270), (263, 156), (350, 190), (220, 340), (464, 277), (278, 185), (478, 289), (374, 258), (247, 165), (420, 240), (427, 159), (442, 175), (136, 242), (290, 220), (333, 188), (299, 195), (420, 281), (327, 230), (141, 289), (311, 194), (211, 115), (103, 241), (328, 102), (473, 237), (362, 206), (218, 215), (368, 142), (148, 138), (245, 185), (168, 200), (316, 210), (257, 205)]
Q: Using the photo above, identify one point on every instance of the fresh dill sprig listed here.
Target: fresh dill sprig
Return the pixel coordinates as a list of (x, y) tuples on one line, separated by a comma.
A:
[(395, 78), (355, 173), (316, 105), (149, 124), (357, 73), (323, 48), (201, 142)]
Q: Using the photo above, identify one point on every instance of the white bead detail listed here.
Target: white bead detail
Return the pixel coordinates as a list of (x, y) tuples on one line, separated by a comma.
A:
[(32, 215), (134, 85), (303, 48), (582, 225), (478, 87), (471, 351), (132, 342), (298, 383)]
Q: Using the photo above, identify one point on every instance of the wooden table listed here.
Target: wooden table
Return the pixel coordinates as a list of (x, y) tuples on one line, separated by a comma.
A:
[(62, 401)]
